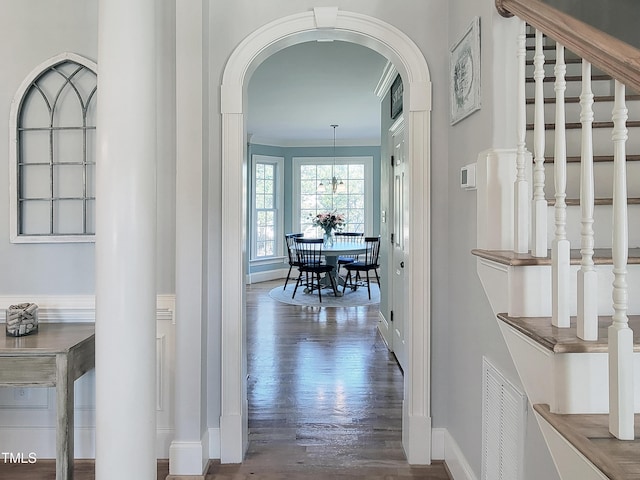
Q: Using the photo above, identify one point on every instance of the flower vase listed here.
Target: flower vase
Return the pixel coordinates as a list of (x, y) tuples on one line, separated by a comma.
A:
[(328, 238)]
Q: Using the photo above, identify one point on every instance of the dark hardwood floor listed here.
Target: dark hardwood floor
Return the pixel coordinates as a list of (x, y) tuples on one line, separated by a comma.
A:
[(325, 398)]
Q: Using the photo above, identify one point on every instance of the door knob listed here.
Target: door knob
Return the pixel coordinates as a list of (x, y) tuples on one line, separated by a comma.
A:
[(401, 264)]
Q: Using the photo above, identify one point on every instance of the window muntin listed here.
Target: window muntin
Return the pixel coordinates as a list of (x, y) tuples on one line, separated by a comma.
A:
[(354, 203), (53, 169), (267, 211)]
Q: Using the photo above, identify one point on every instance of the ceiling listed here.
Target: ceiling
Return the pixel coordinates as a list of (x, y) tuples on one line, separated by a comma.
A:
[(297, 93)]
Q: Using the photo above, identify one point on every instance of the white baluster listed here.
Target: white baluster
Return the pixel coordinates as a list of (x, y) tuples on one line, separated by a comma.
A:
[(620, 335), (587, 323), (522, 206), (560, 250), (539, 247)]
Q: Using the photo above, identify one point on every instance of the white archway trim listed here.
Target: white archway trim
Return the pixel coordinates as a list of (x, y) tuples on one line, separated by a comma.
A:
[(326, 22)]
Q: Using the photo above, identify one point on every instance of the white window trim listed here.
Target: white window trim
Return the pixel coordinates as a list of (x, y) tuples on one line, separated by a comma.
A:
[(368, 185), (13, 154), (279, 193)]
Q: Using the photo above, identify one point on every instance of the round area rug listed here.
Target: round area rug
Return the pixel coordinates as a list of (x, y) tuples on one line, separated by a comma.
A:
[(351, 298)]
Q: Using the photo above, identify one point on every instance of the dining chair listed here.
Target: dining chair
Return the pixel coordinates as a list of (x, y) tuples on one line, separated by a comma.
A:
[(291, 252), (352, 237), (366, 264), (309, 251)]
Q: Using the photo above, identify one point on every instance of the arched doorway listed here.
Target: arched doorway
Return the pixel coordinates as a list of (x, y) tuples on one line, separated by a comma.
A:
[(326, 22)]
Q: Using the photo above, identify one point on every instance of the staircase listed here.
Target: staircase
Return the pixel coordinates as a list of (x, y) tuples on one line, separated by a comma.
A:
[(566, 378)]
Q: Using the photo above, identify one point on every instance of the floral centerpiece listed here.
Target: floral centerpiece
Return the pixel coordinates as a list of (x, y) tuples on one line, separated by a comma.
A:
[(328, 221)]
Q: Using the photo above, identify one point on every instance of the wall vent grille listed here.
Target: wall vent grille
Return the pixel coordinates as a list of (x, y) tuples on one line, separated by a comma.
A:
[(504, 413)]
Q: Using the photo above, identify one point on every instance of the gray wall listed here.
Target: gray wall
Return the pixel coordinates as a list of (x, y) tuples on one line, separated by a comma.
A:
[(463, 326), (471, 331), (33, 32)]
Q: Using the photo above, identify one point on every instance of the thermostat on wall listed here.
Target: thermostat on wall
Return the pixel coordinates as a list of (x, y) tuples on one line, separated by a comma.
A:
[(468, 177)]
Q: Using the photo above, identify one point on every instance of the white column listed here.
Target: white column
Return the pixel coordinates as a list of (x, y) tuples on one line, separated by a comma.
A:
[(189, 450), (560, 248), (126, 242)]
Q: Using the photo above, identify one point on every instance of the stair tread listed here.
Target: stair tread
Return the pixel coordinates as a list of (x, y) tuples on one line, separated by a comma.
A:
[(570, 78), (589, 434), (572, 202), (578, 125), (602, 256), (596, 158), (565, 340), (596, 98)]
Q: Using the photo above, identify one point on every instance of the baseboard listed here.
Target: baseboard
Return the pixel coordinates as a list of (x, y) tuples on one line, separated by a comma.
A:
[(234, 429), (415, 430), (186, 460), (190, 477), (267, 275), (456, 462), (438, 438), (41, 441), (214, 443)]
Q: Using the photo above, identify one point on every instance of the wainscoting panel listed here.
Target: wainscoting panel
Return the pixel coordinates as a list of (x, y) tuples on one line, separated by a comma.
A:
[(28, 415)]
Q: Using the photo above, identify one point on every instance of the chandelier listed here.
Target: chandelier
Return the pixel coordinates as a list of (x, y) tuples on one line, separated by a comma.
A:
[(337, 185)]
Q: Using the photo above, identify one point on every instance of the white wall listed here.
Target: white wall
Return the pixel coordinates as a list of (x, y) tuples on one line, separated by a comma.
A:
[(230, 23), (472, 329), (32, 32), (463, 326), (28, 415), (60, 277)]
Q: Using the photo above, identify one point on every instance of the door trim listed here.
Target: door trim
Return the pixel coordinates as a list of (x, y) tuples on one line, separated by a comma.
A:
[(323, 23)]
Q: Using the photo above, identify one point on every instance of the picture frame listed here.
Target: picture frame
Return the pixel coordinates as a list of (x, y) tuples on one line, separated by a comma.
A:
[(396, 97), (465, 73)]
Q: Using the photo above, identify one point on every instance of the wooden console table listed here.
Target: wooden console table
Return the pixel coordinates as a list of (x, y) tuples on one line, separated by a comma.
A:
[(55, 356)]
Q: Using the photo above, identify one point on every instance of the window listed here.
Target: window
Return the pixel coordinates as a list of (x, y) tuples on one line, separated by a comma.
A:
[(53, 126), (267, 209), (354, 202)]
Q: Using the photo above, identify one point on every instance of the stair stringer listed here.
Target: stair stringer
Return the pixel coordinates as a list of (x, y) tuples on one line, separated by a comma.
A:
[(567, 382), (571, 464), (543, 381), (525, 290)]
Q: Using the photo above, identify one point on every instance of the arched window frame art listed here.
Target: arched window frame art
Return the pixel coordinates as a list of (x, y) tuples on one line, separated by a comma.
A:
[(52, 153)]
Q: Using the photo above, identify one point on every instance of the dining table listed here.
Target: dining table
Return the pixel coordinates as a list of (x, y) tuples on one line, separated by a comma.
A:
[(340, 248)]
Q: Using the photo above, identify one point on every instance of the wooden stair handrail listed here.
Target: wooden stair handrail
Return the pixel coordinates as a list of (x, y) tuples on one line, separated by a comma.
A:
[(613, 56)]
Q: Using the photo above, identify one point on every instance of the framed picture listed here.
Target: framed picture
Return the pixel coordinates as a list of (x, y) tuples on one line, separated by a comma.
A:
[(465, 73), (396, 97)]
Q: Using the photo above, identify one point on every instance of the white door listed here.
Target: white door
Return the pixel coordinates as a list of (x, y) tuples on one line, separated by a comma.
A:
[(399, 238)]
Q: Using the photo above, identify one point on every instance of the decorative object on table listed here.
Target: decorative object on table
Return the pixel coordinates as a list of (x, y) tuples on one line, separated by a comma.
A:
[(22, 319), (465, 73), (337, 185), (329, 222)]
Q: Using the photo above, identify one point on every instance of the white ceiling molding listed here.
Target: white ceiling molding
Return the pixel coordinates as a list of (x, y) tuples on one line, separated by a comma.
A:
[(388, 76)]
